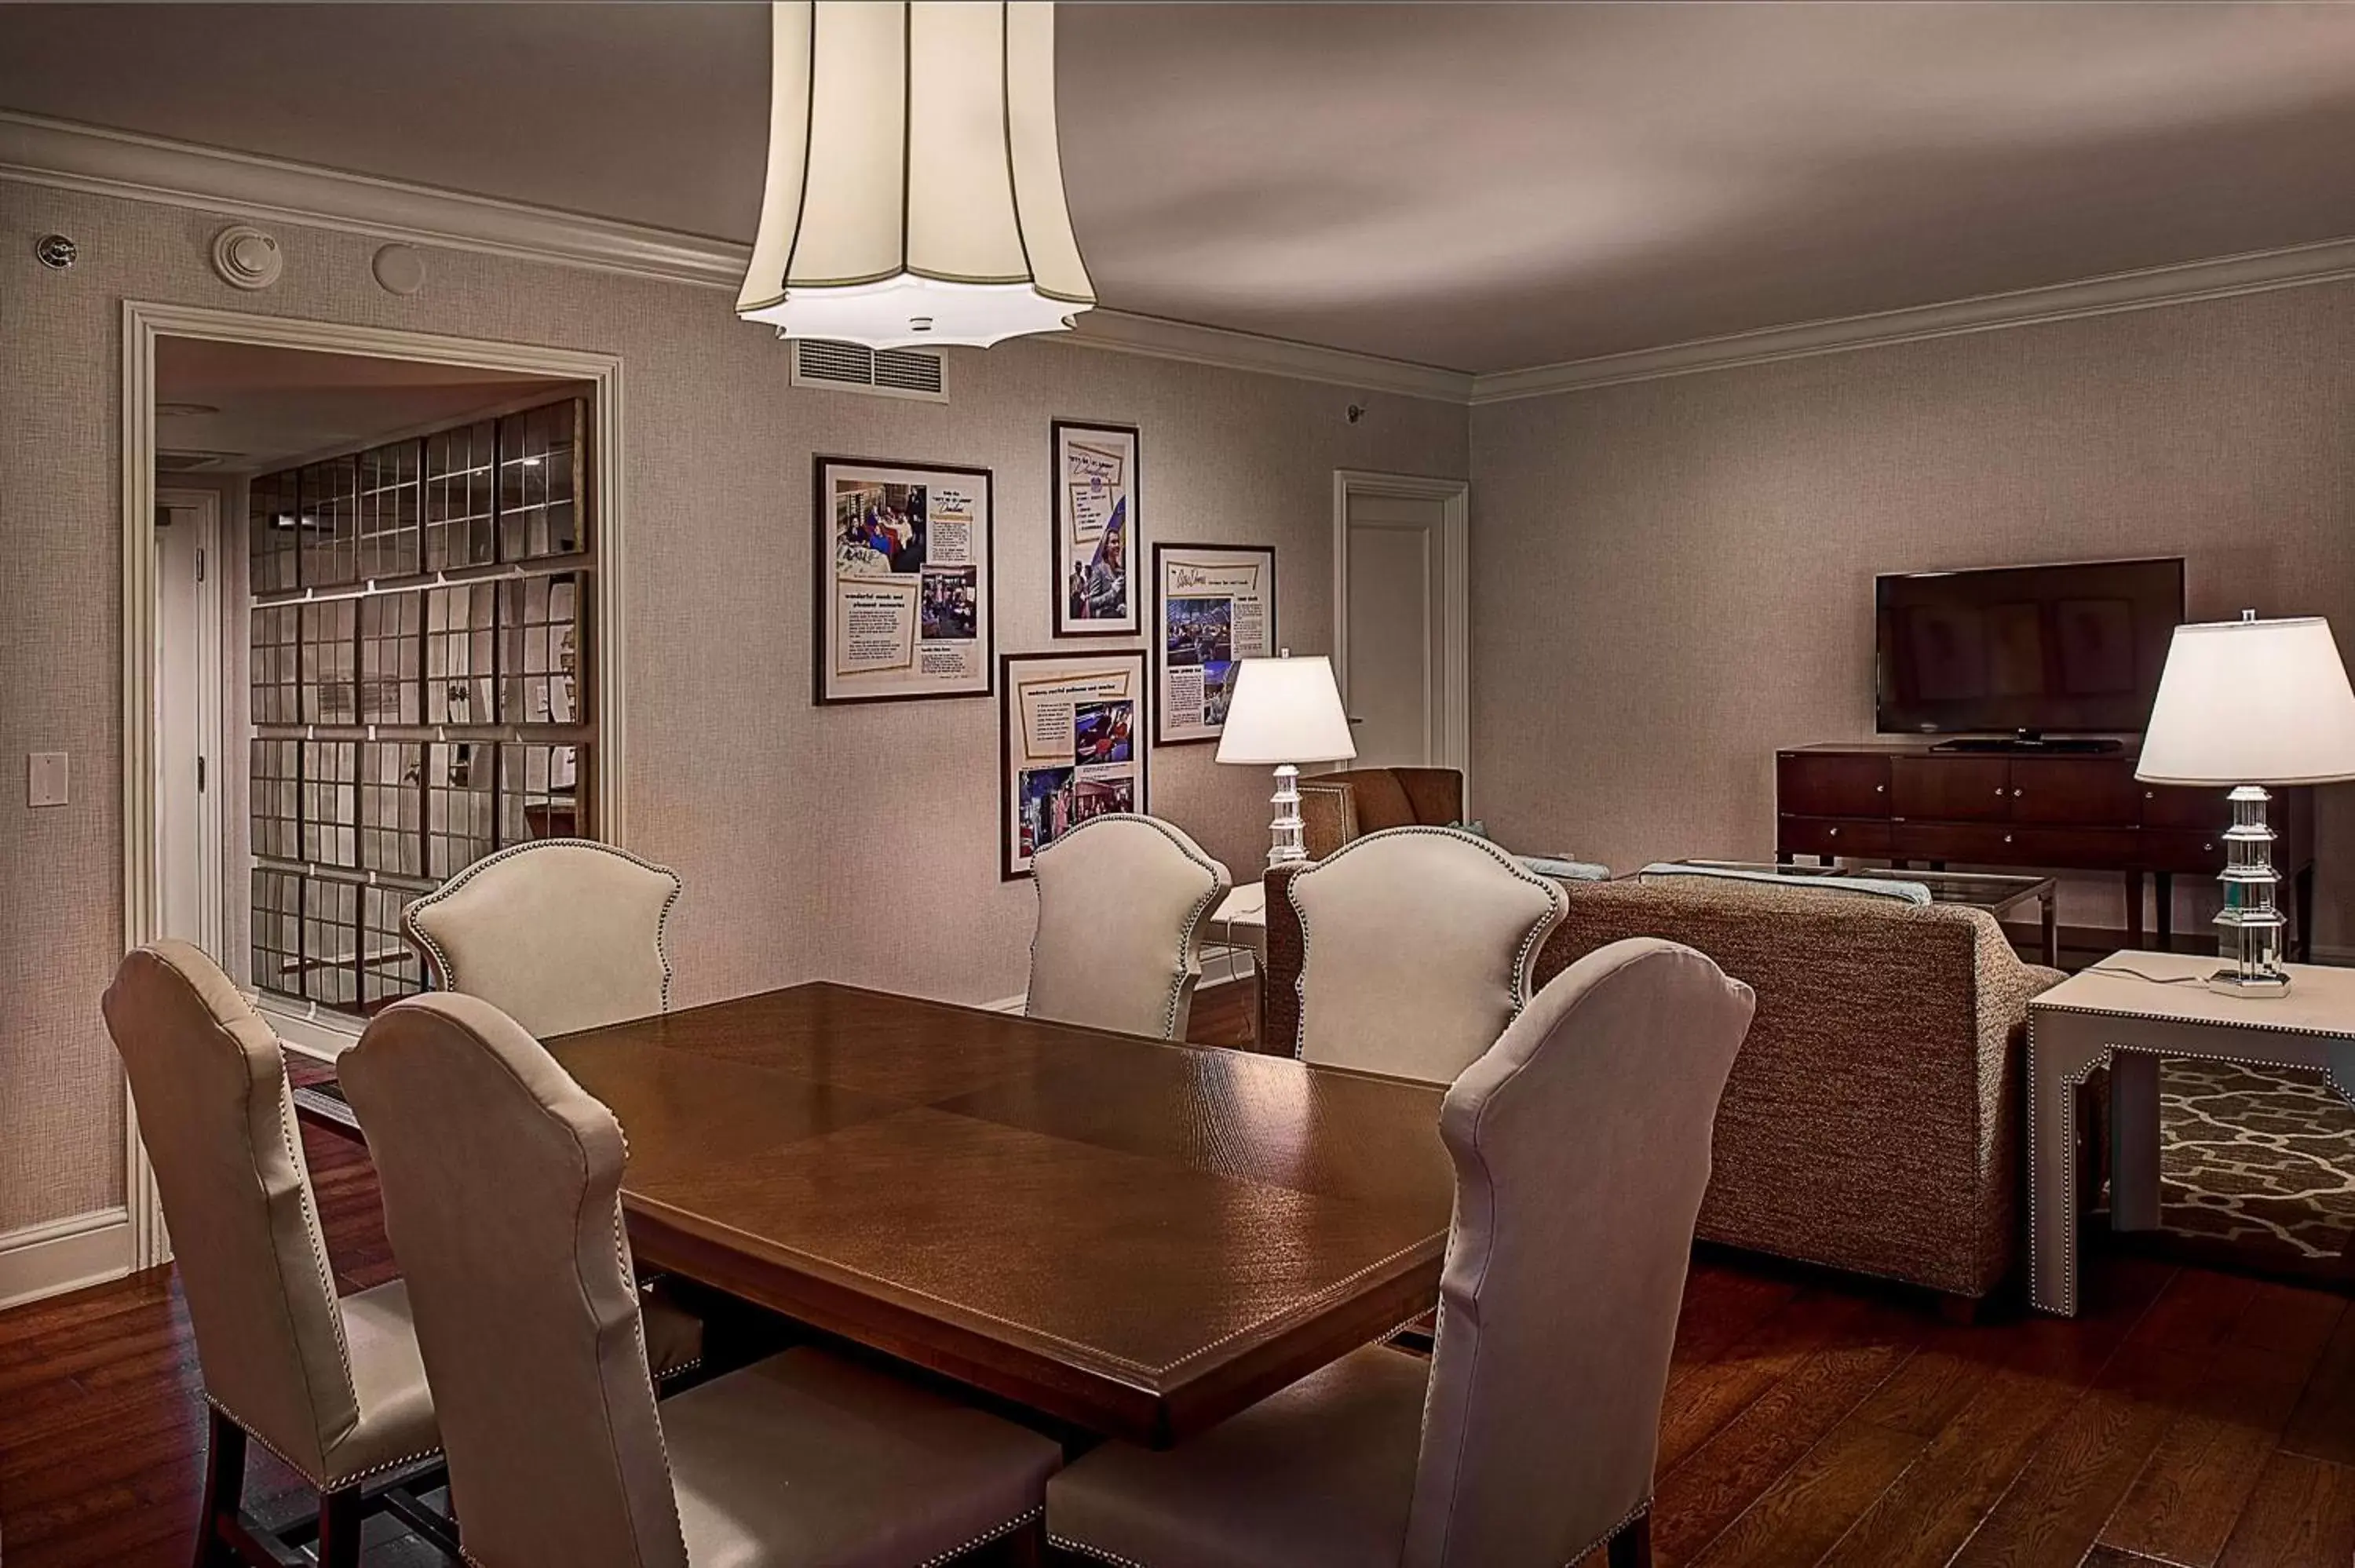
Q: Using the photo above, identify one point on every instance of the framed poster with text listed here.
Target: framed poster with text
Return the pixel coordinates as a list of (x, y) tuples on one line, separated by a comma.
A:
[(1094, 557), (1071, 747), (1212, 606), (903, 581)]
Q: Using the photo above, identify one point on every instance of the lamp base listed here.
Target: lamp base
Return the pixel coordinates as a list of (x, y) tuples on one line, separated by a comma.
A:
[(2249, 926), (2230, 982), (1285, 833)]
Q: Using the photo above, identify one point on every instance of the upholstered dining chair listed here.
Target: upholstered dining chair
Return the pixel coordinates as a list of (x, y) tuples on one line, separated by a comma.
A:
[(1122, 902), (334, 1387), (560, 934), (1580, 1142), (1417, 946), (502, 1181)]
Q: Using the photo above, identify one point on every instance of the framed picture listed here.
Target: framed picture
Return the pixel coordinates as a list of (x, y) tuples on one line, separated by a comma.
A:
[(1095, 591), (1213, 605), (1072, 730), (903, 581)]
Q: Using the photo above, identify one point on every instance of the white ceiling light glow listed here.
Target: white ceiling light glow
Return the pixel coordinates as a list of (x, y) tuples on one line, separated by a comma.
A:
[(915, 190)]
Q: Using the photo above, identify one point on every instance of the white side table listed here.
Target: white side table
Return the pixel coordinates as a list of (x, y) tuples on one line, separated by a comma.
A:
[(1241, 920), (2127, 1011)]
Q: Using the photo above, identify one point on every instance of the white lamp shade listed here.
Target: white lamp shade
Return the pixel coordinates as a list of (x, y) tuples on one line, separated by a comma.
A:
[(2252, 702), (1286, 710), (915, 188)]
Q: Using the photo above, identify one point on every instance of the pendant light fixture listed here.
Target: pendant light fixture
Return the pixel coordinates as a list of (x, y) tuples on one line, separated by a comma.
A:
[(915, 190)]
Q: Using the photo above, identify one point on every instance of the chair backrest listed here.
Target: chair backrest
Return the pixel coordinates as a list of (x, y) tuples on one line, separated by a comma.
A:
[(1418, 943), (502, 1199), (1122, 902), (1581, 1144), (218, 1119), (561, 934)]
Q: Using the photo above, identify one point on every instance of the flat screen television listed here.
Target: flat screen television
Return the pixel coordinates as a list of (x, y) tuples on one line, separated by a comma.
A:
[(2059, 650)]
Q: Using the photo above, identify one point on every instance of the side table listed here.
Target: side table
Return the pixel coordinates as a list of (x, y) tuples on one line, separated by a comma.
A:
[(2125, 1012)]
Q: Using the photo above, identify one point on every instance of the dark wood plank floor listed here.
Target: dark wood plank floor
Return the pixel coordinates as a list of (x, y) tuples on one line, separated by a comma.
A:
[(2189, 1418)]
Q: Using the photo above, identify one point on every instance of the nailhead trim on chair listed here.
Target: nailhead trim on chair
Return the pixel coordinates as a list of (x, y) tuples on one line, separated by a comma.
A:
[(1531, 941), (996, 1533), (1098, 1552), (1600, 1542), (441, 961), (1189, 964), (355, 1478)]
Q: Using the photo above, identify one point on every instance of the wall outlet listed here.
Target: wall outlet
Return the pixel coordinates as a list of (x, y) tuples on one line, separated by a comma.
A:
[(45, 779)]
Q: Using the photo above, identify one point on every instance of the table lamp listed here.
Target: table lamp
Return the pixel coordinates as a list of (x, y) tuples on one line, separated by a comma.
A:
[(1286, 711), (2248, 703)]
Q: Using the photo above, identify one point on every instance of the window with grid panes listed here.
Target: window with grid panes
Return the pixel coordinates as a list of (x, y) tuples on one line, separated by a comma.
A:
[(420, 685)]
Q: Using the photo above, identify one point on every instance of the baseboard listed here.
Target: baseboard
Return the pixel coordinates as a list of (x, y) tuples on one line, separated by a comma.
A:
[(58, 1255)]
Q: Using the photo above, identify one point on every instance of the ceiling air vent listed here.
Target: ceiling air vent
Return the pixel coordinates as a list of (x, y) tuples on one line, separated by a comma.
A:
[(882, 372)]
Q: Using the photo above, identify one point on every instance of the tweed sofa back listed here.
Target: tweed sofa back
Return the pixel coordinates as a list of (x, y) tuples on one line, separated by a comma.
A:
[(1871, 1122)]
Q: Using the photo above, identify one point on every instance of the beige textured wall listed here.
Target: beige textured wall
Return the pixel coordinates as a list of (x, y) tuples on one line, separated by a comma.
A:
[(858, 842), (1672, 578)]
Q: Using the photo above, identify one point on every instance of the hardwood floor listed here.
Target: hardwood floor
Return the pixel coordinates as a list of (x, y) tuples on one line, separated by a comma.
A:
[(2189, 1418)]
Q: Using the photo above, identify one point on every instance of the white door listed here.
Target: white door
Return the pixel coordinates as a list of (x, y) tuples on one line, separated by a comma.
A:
[(187, 715), (1399, 636)]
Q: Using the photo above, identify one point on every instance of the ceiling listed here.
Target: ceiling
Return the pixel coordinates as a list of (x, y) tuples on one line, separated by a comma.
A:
[(267, 405), (1477, 186)]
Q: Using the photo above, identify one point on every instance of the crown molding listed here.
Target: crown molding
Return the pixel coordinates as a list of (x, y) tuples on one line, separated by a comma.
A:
[(97, 160), (1162, 338), (38, 151), (2221, 277)]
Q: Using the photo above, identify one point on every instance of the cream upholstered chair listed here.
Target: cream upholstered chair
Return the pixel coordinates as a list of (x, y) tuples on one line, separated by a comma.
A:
[(1417, 944), (561, 934), (502, 1181), (1581, 1141), (1122, 902), (334, 1387)]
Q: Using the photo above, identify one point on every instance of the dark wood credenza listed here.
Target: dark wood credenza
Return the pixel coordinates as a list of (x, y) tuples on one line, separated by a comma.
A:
[(1902, 801)]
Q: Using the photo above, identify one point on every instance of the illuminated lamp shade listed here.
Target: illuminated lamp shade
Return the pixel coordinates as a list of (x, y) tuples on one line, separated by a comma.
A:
[(915, 189)]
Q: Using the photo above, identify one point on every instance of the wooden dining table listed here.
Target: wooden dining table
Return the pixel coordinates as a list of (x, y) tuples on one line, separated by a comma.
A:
[(1134, 1237)]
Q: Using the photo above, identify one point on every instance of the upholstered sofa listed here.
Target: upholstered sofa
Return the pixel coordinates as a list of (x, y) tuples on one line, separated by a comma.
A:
[(1337, 807), (1872, 1120)]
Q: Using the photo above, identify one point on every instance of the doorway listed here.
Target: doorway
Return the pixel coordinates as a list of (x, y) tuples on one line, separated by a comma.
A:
[(307, 453), (1400, 632)]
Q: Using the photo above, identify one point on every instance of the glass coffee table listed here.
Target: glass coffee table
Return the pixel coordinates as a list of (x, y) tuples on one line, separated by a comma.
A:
[(2005, 898)]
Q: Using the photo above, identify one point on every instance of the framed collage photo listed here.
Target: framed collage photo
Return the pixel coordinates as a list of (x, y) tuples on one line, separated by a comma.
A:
[(1213, 606), (1072, 730), (903, 581), (1094, 558)]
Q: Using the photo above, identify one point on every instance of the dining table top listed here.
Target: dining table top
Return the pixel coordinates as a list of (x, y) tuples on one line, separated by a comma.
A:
[(1136, 1237)]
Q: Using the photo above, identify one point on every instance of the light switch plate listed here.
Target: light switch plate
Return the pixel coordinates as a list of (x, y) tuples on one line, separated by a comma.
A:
[(45, 779)]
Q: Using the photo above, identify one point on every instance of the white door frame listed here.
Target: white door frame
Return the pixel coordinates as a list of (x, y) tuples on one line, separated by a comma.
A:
[(144, 323), (212, 739), (1456, 605)]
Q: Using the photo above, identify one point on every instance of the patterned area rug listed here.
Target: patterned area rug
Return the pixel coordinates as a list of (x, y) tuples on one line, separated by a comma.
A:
[(2260, 1159)]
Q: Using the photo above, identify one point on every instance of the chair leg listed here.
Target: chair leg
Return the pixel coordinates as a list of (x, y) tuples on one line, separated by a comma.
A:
[(224, 1491), (1632, 1547), (339, 1528)]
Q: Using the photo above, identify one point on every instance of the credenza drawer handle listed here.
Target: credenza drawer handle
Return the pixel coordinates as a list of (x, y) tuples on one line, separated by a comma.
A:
[(1999, 790), (1835, 832), (2015, 794), (2006, 838), (2150, 794), (2207, 849), (1880, 789)]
